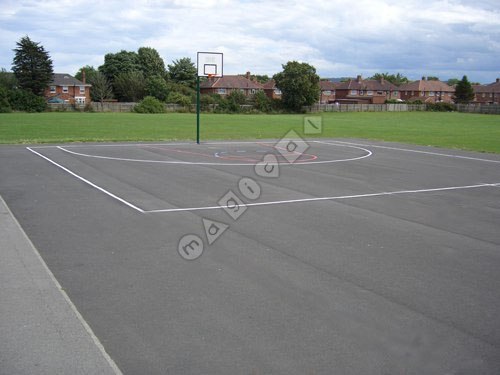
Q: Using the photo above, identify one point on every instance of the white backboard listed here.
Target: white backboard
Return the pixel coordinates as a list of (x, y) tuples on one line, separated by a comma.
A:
[(210, 63)]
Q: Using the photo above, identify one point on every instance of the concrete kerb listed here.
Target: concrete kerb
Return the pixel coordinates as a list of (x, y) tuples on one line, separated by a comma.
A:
[(42, 331)]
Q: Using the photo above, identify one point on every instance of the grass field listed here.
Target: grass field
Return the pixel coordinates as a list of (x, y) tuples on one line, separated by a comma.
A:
[(451, 130)]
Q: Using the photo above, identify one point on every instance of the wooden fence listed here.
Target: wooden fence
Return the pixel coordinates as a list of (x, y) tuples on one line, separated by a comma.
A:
[(479, 108), (402, 107)]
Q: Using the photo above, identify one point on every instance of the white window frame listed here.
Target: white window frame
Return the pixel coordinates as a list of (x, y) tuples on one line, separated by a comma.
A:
[(431, 93), (369, 92), (395, 93), (80, 99), (327, 92), (277, 91), (354, 92), (52, 89), (82, 89), (65, 89), (221, 91)]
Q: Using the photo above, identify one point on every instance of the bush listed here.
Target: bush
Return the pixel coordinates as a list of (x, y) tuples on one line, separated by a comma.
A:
[(4, 101), (262, 102), (149, 105), (21, 100), (178, 98), (440, 107)]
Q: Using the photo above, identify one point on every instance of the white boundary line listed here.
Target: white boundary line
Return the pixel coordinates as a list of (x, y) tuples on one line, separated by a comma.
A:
[(87, 181), (58, 286), (339, 197), (416, 151), (368, 154)]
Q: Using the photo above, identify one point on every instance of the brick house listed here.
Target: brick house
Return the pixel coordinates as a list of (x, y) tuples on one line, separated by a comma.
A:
[(427, 91), (271, 90), (328, 93), (365, 91), (487, 94), (229, 83), (69, 89)]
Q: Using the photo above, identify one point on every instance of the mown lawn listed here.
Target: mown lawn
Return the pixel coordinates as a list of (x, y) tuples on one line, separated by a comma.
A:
[(451, 130)]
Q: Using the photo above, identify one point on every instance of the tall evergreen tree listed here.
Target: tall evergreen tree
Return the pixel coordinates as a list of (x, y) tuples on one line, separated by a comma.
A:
[(464, 93), (32, 66)]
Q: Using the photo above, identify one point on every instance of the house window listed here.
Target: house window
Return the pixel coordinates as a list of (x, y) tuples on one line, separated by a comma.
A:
[(82, 89), (361, 92), (431, 93), (65, 89), (422, 93), (484, 95), (354, 92), (412, 93), (277, 91), (221, 91), (394, 93), (52, 89), (369, 93), (380, 93), (406, 92), (80, 100), (327, 93)]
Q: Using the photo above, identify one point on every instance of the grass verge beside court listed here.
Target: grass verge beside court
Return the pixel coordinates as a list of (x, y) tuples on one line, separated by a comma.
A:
[(474, 132)]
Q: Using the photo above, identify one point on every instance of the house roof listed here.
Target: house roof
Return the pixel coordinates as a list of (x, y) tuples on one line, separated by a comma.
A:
[(231, 82), (492, 87), (367, 84), (425, 85), (270, 85), (64, 79), (327, 85)]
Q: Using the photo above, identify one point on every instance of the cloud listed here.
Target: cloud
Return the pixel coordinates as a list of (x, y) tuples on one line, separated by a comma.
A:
[(338, 37)]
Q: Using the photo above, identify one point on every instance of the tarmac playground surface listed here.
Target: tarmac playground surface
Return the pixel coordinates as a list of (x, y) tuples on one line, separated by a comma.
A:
[(358, 257)]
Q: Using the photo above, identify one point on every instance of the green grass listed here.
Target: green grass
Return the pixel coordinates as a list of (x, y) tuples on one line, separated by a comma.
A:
[(451, 130)]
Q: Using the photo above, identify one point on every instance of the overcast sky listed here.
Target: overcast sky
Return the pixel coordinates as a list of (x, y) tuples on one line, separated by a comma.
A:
[(446, 38)]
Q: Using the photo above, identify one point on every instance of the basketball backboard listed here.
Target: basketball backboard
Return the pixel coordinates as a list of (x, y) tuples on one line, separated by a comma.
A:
[(210, 64)]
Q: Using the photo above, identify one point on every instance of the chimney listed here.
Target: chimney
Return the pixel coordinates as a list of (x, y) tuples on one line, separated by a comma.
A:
[(247, 75), (358, 78), (498, 80), (382, 80), (424, 78), (83, 77)]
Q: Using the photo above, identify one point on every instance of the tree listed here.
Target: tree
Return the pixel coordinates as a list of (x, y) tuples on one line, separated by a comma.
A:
[(452, 81), (32, 66), (89, 71), (157, 87), (119, 63), (396, 79), (101, 88), (8, 80), (130, 86), (151, 64), (464, 93), (432, 78), (299, 85), (183, 71)]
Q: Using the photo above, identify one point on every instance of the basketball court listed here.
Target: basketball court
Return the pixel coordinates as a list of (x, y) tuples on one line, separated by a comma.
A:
[(343, 256)]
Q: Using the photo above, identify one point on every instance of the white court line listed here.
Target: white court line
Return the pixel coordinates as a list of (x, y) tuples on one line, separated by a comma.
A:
[(416, 151), (368, 154), (339, 197), (87, 181)]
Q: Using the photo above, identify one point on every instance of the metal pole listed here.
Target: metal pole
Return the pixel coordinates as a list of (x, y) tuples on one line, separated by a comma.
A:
[(198, 110)]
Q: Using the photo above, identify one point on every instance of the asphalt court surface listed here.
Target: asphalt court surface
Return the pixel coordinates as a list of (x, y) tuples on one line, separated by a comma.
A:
[(357, 258)]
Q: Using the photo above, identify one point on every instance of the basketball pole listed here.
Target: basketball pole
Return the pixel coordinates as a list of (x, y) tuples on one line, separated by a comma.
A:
[(198, 109)]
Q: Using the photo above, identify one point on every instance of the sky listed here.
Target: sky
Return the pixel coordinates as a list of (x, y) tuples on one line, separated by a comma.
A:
[(443, 38)]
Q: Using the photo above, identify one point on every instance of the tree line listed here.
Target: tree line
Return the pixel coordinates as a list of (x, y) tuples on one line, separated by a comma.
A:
[(136, 75)]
